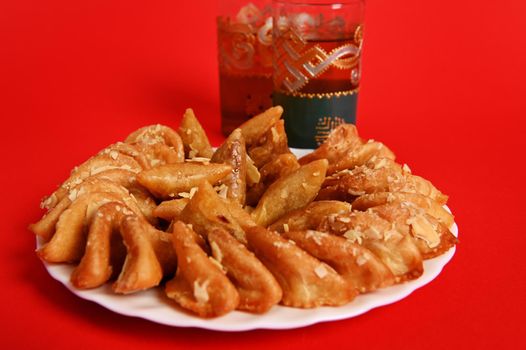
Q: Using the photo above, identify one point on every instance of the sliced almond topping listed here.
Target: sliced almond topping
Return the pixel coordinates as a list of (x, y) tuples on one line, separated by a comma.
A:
[(321, 271), (423, 229), (200, 292)]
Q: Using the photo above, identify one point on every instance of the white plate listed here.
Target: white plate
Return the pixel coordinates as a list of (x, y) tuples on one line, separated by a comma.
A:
[(153, 306)]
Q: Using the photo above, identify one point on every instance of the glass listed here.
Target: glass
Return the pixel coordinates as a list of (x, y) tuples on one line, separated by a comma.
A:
[(316, 57), (244, 32)]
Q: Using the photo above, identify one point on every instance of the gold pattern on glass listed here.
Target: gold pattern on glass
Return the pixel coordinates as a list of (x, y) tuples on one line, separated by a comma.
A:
[(324, 127), (298, 61)]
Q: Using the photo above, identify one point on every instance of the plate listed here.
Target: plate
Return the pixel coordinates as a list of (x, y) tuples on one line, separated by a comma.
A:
[(154, 306)]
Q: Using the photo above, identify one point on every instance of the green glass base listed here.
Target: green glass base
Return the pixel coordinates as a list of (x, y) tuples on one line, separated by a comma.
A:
[(309, 119)]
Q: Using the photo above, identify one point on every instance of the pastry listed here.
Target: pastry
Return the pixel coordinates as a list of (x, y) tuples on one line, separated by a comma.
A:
[(247, 226)]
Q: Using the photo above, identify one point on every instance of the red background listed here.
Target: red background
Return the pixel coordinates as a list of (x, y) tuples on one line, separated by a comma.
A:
[(443, 86)]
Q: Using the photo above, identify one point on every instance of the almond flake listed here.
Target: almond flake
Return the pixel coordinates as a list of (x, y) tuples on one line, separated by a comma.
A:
[(192, 153), (353, 236), (321, 271), (218, 255), (362, 259), (279, 244), (315, 236), (217, 264), (114, 154), (200, 292)]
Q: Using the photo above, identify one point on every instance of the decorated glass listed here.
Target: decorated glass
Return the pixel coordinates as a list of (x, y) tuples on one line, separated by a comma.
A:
[(316, 66), (244, 32)]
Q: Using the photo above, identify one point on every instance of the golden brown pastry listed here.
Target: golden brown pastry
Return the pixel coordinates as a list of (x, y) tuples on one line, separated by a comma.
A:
[(233, 153), (200, 285), (193, 136), (171, 210), (394, 248), (432, 237), (290, 192), (158, 134), (168, 181), (258, 289), (306, 282), (355, 263), (68, 241), (382, 175), (92, 166), (254, 128), (309, 217), (273, 144), (360, 155), (430, 206), (278, 167), (120, 242), (45, 228), (206, 210), (149, 256), (341, 140), (247, 226), (104, 251)]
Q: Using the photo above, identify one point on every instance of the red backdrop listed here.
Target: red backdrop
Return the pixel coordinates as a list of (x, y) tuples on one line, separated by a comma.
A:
[(443, 86)]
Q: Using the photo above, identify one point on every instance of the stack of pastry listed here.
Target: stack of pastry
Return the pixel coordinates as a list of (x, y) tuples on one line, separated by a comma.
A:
[(247, 226)]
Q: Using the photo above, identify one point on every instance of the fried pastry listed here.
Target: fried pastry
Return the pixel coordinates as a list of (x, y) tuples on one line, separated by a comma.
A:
[(310, 217), (200, 285), (69, 239), (360, 155), (119, 149), (253, 175), (306, 282), (149, 256), (274, 143), (239, 215), (233, 152), (123, 177), (92, 166), (168, 181), (46, 226), (432, 237), (248, 226), (206, 210), (290, 192), (123, 242), (148, 154), (258, 289), (355, 263), (193, 136), (394, 248), (157, 154), (103, 254), (171, 210), (278, 167), (158, 134), (430, 206), (381, 176), (117, 184), (341, 140), (254, 128)]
